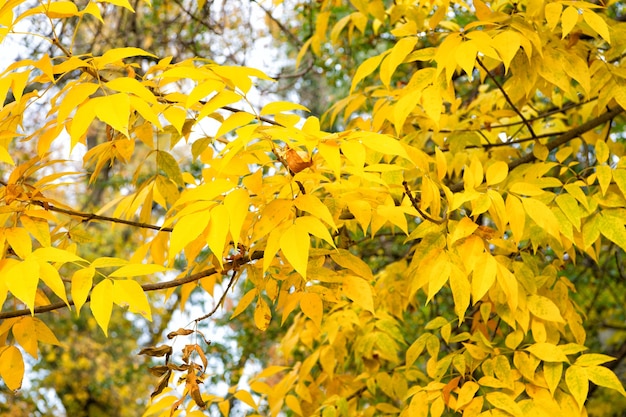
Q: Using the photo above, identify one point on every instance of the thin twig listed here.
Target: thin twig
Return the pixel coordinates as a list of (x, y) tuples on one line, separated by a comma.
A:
[(222, 298), (415, 205)]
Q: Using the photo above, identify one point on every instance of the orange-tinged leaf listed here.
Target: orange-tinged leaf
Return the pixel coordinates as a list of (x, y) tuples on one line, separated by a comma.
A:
[(135, 270), (313, 205), (11, 367), (218, 231), (129, 292), (578, 384), (244, 302), (358, 290), (312, 307), (544, 308), (22, 279), (295, 243), (101, 303), (113, 110), (82, 280), (262, 314), (19, 239)]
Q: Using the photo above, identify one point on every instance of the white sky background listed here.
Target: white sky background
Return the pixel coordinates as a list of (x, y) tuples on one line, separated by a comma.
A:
[(264, 56)]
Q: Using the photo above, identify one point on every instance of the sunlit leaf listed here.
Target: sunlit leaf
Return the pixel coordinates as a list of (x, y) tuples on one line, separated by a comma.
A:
[(101, 303)]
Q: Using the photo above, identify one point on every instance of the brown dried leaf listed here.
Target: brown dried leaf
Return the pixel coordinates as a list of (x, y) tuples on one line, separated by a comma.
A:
[(156, 351), (179, 332), (162, 383), (194, 389), (158, 370)]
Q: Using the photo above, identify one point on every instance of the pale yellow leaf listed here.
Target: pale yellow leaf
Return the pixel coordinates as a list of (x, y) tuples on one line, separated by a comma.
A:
[(237, 203), (604, 377), (484, 276), (366, 68), (542, 215), (315, 227), (504, 402), (547, 352), (347, 260), (497, 172), (398, 53), (578, 384), (56, 255), (244, 302), (22, 279), (281, 106), (113, 110), (114, 55)]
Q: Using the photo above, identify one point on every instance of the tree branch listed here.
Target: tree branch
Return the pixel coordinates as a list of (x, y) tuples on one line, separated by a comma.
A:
[(561, 140), (507, 98), (146, 287)]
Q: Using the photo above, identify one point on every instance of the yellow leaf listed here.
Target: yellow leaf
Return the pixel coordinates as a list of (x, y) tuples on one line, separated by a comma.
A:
[(113, 110), (497, 172), (612, 227), (218, 231), (432, 102), (11, 367), (385, 144), (50, 276), (221, 99), (462, 229), (542, 215), (237, 204), (5, 156), (553, 14), (101, 303), (466, 393), (281, 106), (129, 292), (438, 274), (315, 227), (245, 397), (22, 279), (262, 314), (19, 239), (38, 228), (578, 384), (244, 302), (568, 20), (312, 204), (544, 308), (355, 264), (366, 68), (547, 352), (56, 255), (597, 24), (552, 372), (295, 243), (107, 262), (131, 85), (517, 216), (507, 44), (484, 275), (504, 402), (398, 53), (186, 230), (233, 122), (312, 307), (461, 290), (604, 377), (593, 359), (358, 290), (82, 281), (114, 55)]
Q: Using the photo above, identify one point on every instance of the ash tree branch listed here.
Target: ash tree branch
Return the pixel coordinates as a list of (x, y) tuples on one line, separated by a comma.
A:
[(560, 140), (229, 266), (507, 98)]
